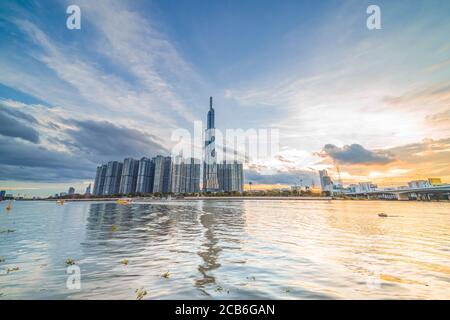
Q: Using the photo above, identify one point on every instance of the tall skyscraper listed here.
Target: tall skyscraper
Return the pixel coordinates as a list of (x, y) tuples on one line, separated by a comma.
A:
[(71, 191), (167, 175), (145, 176), (88, 190), (129, 176), (162, 175), (185, 175), (210, 181), (113, 175), (230, 176), (325, 180), (100, 177)]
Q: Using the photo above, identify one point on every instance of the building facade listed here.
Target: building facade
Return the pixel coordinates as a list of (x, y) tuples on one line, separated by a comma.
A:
[(210, 181), (129, 176), (146, 171), (185, 176), (113, 176), (100, 177)]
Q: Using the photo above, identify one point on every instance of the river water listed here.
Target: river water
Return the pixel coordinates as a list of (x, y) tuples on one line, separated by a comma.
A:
[(213, 249)]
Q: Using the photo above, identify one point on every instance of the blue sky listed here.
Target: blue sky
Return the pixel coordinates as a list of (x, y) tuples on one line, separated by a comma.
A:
[(137, 70)]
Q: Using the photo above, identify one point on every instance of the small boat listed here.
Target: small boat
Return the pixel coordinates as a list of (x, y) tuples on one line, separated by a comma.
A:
[(9, 206), (61, 202), (123, 201), (383, 215)]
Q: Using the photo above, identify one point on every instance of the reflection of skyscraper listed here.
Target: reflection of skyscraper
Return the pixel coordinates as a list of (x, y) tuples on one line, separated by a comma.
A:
[(210, 183), (129, 176), (113, 174)]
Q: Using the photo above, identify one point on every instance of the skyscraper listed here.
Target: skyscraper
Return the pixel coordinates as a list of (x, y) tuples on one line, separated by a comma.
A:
[(88, 190), (325, 180), (185, 175), (230, 176), (129, 176), (113, 175), (210, 182), (145, 176), (162, 174), (100, 177)]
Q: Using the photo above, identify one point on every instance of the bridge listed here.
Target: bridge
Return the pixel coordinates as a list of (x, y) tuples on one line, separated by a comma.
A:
[(424, 194)]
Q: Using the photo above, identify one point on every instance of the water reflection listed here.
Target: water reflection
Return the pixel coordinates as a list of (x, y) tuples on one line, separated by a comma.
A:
[(267, 249)]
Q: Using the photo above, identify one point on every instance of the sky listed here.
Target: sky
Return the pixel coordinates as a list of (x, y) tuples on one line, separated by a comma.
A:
[(373, 103)]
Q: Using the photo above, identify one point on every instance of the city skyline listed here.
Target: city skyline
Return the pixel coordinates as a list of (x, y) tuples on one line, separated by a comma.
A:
[(373, 103)]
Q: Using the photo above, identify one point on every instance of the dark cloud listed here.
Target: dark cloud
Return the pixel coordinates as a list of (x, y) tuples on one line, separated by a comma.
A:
[(24, 161), (293, 177), (354, 154), (14, 123), (103, 141)]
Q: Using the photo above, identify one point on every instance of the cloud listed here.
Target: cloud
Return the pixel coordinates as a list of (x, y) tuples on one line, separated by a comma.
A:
[(291, 177), (14, 123), (354, 154), (103, 141)]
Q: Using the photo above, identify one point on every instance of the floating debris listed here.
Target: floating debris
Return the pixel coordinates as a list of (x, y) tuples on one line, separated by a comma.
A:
[(9, 206), (140, 293), (251, 278), (166, 275), (219, 289), (287, 290), (70, 262), (123, 201), (12, 269), (124, 262), (383, 215), (7, 231), (114, 228)]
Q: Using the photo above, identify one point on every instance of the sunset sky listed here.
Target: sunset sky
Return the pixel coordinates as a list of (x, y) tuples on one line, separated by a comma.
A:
[(376, 103)]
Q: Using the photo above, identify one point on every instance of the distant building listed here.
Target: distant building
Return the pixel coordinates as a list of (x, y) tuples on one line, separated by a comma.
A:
[(434, 181), (162, 174), (113, 175), (100, 178), (418, 184), (71, 191), (230, 177), (88, 190), (145, 176), (2, 194), (185, 176), (326, 183), (129, 176)]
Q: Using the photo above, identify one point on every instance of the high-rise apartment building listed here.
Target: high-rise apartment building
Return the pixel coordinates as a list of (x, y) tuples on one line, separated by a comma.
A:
[(146, 171), (113, 175), (185, 176), (162, 174), (100, 177), (129, 176), (230, 176)]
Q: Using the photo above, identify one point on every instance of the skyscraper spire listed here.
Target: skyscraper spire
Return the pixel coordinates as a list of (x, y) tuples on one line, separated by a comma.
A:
[(210, 122)]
